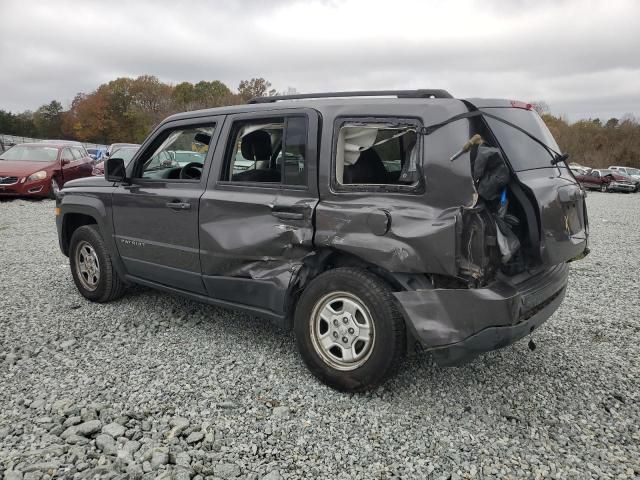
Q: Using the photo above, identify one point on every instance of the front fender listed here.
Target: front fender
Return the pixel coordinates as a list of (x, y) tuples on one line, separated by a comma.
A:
[(94, 203)]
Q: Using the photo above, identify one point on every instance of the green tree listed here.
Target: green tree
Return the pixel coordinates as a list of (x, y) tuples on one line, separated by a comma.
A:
[(48, 120), (612, 123)]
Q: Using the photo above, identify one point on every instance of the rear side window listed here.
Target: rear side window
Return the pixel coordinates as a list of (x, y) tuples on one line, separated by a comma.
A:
[(377, 153), (268, 150), (523, 152)]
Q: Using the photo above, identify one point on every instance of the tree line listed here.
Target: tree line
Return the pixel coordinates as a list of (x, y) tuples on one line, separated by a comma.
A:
[(595, 144), (126, 109)]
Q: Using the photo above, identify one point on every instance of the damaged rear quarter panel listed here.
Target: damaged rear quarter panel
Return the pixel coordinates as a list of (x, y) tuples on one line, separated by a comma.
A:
[(420, 233)]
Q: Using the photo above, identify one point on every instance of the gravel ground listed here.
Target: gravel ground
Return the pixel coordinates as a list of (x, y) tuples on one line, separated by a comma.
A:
[(156, 386)]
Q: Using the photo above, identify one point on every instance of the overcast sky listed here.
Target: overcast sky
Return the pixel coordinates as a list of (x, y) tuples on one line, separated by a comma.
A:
[(582, 57)]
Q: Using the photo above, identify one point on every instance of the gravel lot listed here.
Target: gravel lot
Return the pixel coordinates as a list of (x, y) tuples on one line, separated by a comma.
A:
[(155, 386)]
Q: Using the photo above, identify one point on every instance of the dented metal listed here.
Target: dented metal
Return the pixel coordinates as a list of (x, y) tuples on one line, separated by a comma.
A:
[(256, 246)]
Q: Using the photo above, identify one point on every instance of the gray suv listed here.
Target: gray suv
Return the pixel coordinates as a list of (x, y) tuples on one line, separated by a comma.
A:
[(370, 223)]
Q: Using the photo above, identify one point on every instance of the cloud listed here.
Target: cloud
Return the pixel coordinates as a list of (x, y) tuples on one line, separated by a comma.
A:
[(580, 57)]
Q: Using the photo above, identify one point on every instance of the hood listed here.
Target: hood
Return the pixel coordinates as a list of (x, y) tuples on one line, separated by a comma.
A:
[(88, 182), (22, 169)]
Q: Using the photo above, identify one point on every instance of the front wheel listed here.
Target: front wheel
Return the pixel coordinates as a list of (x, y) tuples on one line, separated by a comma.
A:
[(603, 188), (348, 329), (54, 188), (92, 268)]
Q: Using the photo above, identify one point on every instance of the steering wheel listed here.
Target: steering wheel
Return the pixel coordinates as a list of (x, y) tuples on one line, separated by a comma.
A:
[(191, 171)]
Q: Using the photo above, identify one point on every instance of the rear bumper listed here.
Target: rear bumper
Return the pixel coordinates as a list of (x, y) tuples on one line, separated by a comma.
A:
[(459, 325)]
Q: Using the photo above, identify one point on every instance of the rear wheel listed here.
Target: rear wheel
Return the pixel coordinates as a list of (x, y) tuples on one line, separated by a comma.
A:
[(349, 330), (92, 268)]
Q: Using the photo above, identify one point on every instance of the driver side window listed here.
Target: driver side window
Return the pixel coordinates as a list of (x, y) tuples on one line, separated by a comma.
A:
[(66, 156), (177, 154)]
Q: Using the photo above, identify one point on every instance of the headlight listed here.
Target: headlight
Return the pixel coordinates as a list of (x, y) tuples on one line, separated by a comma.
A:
[(41, 175)]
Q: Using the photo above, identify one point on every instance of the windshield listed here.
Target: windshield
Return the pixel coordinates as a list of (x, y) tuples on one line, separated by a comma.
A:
[(125, 154), (23, 153), (633, 171), (523, 152)]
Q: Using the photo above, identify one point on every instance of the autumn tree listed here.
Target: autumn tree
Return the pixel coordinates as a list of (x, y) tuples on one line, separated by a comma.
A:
[(256, 87)]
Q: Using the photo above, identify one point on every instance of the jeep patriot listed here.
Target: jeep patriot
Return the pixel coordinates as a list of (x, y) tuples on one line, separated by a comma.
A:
[(367, 222)]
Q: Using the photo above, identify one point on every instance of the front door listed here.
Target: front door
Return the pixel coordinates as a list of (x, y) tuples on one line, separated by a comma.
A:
[(256, 216), (70, 166), (156, 216)]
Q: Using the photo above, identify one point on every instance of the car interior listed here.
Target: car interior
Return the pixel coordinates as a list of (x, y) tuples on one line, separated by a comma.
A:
[(271, 152), (164, 163), (376, 154)]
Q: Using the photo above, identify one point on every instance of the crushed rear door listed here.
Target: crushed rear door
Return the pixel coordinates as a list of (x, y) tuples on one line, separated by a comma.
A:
[(557, 199)]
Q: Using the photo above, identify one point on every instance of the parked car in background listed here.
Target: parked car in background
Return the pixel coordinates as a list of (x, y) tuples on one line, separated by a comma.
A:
[(580, 170), (632, 172), (606, 181), (182, 157), (115, 146), (41, 169), (96, 153), (629, 178), (125, 153)]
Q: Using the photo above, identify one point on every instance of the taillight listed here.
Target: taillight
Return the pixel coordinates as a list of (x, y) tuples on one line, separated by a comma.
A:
[(523, 105)]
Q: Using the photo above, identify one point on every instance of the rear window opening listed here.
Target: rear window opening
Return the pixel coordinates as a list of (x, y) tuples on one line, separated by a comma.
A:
[(377, 154), (523, 152)]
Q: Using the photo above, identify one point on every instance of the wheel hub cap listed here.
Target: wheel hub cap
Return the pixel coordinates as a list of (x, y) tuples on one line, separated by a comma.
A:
[(342, 331), (87, 266)]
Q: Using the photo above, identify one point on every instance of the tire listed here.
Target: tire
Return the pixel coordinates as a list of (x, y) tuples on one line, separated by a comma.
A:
[(604, 188), (99, 281), (54, 187), (368, 322)]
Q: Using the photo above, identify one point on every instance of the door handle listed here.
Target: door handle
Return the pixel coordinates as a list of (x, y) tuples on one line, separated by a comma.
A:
[(287, 215), (178, 205)]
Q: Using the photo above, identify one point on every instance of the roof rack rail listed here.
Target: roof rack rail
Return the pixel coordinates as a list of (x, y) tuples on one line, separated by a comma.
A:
[(420, 93)]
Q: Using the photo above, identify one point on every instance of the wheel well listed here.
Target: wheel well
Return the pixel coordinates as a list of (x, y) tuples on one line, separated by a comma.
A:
[(70, 223), (328, 259)]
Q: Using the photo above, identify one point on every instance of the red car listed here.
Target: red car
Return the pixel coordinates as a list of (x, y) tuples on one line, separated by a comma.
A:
[(41, 169), (605, 181)]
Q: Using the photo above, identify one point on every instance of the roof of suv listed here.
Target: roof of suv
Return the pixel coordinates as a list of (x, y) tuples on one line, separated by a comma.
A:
[(324, 100), (332, 100)]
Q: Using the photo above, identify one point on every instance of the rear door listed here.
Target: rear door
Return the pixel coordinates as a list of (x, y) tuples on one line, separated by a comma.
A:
[(558, 199), (256, 216), (156, 216), (83, 160)]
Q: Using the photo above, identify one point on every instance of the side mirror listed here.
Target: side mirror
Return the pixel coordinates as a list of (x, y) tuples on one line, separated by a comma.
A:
[(114, 170), (65, 161)]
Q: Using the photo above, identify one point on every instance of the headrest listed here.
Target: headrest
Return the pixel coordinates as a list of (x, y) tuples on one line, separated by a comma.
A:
[(256, 146)]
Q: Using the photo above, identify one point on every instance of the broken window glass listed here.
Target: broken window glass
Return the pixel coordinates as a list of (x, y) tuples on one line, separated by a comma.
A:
[(377, 154)]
